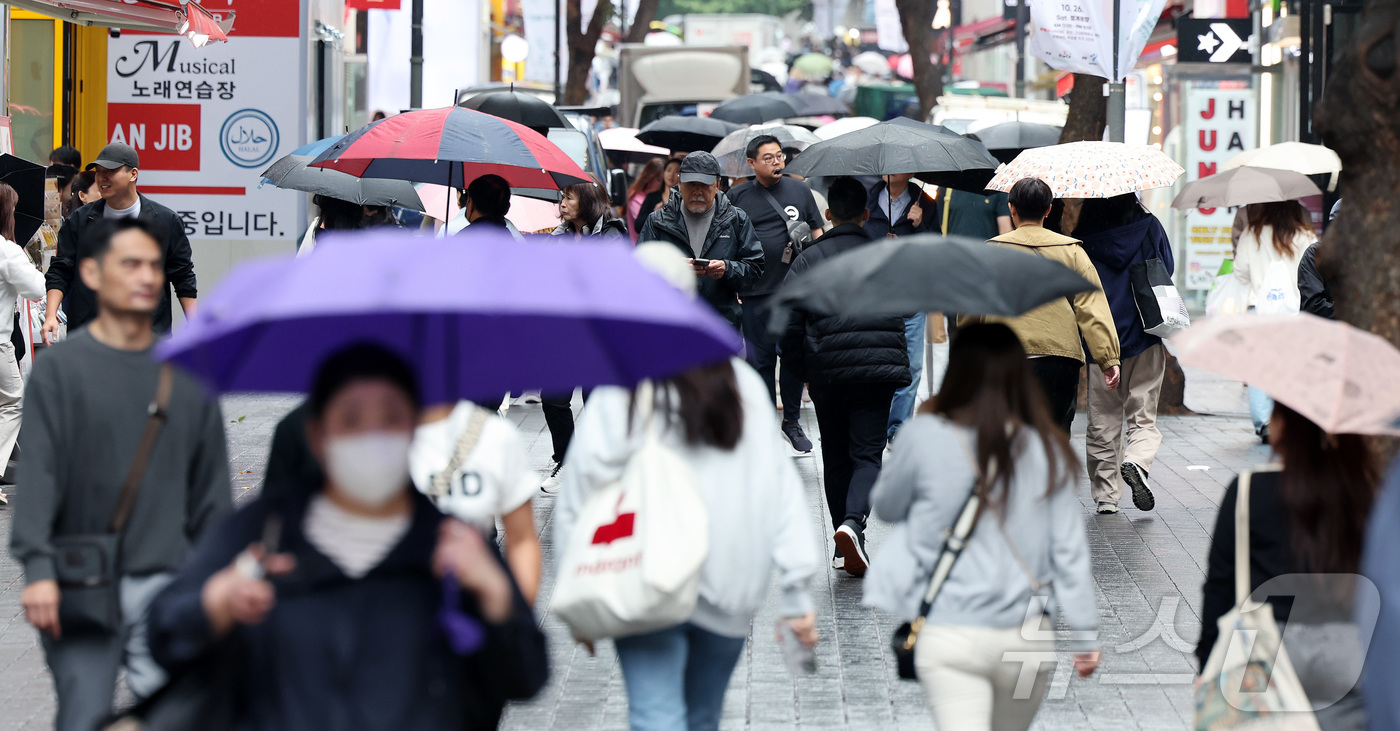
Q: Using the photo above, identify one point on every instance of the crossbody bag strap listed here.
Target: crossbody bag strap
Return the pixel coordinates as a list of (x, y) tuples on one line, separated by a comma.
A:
[(782, 214), (1242, 539), (1036, 584), (157, 414), (947, 203), (952, 548), (466, 444)]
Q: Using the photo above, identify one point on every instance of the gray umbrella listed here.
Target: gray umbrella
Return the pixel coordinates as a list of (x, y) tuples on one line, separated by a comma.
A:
[(768, 106), (928, 273), (290, 172), (1008, 139), (939, 156), (1245, 185)]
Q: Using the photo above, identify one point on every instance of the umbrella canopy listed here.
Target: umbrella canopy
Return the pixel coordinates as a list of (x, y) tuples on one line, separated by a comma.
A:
[(528, 214), (1091, 169), (936, 154), (517, 106), (732, 151), (767, 106), (842, 126), (813, 65), (686, 134), (870, 62), (623, 142), (444, 306), (290, 172), (1242, 186), (452, 146), (1341, 378), (1008, 139), (928, 273), (28, 181), (1300, 157), (817, 105)]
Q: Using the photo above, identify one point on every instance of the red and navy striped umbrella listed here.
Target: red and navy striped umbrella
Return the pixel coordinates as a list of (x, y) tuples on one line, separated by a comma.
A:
[(452, 146)]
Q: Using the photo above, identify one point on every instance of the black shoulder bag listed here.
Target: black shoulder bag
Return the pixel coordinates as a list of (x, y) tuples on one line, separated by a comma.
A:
[(86, 564), (799, 232)]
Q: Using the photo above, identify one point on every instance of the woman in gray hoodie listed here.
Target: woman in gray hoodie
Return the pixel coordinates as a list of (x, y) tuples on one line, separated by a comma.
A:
[(991, 418)]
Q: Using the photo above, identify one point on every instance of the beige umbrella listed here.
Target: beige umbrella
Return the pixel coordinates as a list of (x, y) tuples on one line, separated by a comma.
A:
[(1091, 169), (1243, 186), (1342, 378), (1300, 157)]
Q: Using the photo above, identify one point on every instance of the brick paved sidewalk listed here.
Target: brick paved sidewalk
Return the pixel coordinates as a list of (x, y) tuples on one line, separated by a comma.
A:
[(1146, 565)]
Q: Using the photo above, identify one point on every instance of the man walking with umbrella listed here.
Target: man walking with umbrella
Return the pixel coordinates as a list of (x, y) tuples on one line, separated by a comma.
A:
[(715, 234), (778, 206), (117, 168), (853, 366)]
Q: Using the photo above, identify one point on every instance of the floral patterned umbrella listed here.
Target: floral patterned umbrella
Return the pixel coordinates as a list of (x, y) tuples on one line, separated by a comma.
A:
[(1091, 169)]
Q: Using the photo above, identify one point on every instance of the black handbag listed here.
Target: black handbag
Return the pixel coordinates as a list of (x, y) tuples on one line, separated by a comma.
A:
[(86, 564), (908, 633)]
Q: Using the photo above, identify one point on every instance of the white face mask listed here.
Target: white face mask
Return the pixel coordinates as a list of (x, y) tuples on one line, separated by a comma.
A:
[(370, 468)]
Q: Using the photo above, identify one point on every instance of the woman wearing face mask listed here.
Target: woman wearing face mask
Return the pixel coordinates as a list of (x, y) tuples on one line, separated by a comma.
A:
[(371, 605)]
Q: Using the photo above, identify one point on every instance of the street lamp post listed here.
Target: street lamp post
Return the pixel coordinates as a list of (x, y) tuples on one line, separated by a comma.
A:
[(1117, 93), (415, 58), (1021, 49)]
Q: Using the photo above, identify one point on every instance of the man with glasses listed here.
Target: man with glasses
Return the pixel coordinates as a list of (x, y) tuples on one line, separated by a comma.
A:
[(776, 204)]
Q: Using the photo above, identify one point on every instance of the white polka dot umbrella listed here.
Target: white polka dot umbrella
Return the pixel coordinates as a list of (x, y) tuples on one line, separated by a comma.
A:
[(1091, 169)]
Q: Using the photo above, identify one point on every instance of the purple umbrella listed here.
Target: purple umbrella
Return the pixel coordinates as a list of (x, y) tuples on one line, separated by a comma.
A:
[(476, 316)]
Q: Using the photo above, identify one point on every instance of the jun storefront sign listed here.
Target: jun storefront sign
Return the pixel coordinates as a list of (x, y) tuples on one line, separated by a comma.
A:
[(1221, 122)]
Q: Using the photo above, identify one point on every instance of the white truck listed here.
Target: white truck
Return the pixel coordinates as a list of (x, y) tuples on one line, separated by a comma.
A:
[(753, 31), (657, 81)]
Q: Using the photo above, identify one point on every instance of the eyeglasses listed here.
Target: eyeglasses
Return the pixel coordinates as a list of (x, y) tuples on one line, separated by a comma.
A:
[(771, 159)]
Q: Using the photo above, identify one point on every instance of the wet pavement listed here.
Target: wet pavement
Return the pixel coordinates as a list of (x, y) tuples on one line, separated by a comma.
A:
[(1148, 568)]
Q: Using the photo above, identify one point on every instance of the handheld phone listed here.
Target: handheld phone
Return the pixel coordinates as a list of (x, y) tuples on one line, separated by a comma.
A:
[(701, 263)]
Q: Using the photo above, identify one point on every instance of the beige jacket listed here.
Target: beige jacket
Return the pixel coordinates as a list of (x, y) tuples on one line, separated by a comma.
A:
[(1055, 328)]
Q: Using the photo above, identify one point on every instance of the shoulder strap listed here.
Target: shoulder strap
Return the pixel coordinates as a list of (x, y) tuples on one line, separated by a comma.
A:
[(947, 201), (466, 444), (1036, 584), (954, 544), (1242, 577), (782, 214), (157, 413)]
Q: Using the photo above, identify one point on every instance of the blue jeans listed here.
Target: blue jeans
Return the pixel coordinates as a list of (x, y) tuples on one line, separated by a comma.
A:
[(676, 678), (903, 406), (1261, 408)]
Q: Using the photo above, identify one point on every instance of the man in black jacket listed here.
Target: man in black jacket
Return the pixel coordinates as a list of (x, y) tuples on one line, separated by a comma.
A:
[(117, 168), (852, 366), (713, 232)]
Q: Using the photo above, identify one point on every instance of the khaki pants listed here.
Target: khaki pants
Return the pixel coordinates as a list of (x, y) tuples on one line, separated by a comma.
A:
[(1123, 423)]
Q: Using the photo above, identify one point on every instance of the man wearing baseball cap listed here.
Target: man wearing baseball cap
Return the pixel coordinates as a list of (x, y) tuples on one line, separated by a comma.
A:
[(117, 168), (713, 233)]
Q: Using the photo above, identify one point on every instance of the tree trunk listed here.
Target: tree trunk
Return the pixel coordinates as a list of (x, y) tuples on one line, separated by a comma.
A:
[(581, 47), (641, 25), (1088, 116), (1359, 118), (916, 20)]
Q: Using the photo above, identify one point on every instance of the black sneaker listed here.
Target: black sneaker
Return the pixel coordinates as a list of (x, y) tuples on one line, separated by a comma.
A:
[(1264, 434), (850, 541), (1137, 480), (798, 438)]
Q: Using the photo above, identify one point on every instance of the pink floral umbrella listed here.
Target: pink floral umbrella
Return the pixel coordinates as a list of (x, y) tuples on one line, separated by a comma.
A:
[(1091, 169)]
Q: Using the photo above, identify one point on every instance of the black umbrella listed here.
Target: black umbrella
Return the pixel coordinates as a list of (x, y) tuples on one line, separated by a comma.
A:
[(516, 106), (28, 181), (291, 173), (768, 106), (1008, 139), (936, 154), (764, 79), (816, 105), (928, 273), (686, 134)]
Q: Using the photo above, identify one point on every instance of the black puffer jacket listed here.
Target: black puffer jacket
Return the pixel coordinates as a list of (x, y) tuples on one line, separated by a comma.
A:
[(828, 349)]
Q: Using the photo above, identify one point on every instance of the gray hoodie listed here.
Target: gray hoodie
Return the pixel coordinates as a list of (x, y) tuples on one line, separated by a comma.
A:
[(753, 494)]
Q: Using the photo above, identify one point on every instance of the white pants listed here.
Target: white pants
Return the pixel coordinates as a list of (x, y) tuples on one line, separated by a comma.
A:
[(973, 684), (11, 393)]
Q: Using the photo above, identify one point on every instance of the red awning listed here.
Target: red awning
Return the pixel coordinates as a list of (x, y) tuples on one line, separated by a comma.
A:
[(185, 17)]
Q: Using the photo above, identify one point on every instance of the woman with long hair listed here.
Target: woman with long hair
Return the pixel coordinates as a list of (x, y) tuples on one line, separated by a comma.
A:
[(584, 211), (1275, 239), (670, 178), (718, 418), (18, 278), (990, 430), (648, 181), (1307, 527), (84, 191)]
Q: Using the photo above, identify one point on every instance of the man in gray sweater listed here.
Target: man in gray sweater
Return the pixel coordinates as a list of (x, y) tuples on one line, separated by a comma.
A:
[(86, 406)]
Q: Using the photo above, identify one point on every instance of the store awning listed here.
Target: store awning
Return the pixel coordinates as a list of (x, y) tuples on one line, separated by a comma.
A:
[(185, 17)]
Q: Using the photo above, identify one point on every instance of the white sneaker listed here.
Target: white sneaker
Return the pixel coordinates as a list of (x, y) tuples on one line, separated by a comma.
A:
[(1106, 508), (550, 485)]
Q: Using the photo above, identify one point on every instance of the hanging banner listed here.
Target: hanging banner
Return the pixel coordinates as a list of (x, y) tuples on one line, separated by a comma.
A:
[(888, 28), (1221, 122), (537, 20), (1077, 35), (206, 121)]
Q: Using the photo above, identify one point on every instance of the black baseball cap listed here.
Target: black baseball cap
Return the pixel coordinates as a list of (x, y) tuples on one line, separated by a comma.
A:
[(700, 167), (114, 156)]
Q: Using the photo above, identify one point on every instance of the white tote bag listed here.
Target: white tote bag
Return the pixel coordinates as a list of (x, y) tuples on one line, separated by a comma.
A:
[(1228, 296), (1248, 680), (634, 558), (1279, 295)]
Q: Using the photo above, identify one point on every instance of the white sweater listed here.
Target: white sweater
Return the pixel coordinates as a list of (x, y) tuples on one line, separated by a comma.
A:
[(18, 278), (1254, 254), (758, 513)]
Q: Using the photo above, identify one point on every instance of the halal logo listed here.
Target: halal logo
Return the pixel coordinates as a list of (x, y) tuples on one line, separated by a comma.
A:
[(249, 138)]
